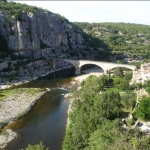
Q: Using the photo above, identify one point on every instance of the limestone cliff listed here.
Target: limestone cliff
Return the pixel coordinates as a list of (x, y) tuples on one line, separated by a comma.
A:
[(39, 33)]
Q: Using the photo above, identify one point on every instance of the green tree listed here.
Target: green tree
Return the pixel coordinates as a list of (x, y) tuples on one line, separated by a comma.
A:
[(3, 0), (128, 76), (108, 105), (138, 85), (110, 136), (36, 147), (121, 84), (91, 87), (147, 86), (143, 109), (129, 100), (118, 72)]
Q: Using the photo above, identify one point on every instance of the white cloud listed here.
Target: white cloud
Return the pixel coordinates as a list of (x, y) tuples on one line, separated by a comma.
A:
[(99, 11)]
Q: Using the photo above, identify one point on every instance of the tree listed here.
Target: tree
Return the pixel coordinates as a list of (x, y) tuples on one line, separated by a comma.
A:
[(147, 86), (138, 85), (91, 87), (108, 105), (128, 76), (129, 100), (121, 84), (118, 72), (36, 147), (3, 0), (9, 64), (110, 136), (143, 109), (106, 80)]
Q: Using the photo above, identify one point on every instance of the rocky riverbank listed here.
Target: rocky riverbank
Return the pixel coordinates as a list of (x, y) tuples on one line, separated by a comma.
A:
[(14, 105), (52, 73), (78, 79), (6, 137)]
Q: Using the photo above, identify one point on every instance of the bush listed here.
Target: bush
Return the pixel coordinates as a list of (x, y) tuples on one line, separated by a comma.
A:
[(143, 110), (118, 72), (36, 147), (130, 122)]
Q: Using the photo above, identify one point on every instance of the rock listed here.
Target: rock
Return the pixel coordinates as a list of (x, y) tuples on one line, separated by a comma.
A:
[(7, 136), (37, 31), (48, 89)]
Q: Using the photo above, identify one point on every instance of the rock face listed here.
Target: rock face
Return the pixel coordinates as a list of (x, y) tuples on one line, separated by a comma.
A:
[(39, 30)]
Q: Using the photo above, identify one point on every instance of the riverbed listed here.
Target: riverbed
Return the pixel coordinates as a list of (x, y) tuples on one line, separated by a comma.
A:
[(46, 121)]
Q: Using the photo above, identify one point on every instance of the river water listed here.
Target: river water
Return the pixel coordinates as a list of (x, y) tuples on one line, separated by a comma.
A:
[(47, 119)]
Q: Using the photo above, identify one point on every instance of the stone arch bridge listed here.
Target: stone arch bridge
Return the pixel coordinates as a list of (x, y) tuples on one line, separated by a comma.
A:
[(106, 66)]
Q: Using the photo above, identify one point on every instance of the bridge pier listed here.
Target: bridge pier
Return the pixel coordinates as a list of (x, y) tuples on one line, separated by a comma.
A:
[(105, 71), (78, 70), (107, 65)]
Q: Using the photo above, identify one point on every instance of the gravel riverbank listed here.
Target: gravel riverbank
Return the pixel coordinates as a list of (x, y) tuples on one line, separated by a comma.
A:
[(14, 105)]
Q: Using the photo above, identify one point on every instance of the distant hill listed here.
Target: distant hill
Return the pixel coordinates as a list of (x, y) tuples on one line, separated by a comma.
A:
[(35, 32), (132, 40)]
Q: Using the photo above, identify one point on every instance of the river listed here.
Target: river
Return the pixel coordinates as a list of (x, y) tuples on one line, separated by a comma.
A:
[(47, 119)]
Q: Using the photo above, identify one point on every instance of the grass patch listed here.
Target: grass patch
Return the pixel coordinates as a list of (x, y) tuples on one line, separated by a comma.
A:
[(130, 122), (8, 93), (127, 110), (5, 133), (113, 89), (5, 93), (2, 144)]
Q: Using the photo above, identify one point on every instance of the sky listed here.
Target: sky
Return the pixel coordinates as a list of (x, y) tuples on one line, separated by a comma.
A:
[(98, 11)]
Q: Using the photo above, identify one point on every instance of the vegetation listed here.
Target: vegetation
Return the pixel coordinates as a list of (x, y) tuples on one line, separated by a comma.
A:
[(37, 147), (129, 100), (118, 72), (16, 10), (147, 84), (7, 93), (143, 110), (120, 38), (95, 119), (105, 39)]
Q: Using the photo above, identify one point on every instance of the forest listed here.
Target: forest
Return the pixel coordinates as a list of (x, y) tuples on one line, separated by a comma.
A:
[(95, 119), (16, 9), (131, 40)]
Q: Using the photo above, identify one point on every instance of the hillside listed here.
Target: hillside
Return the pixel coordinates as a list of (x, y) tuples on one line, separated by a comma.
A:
[(29, 30), (30, 37), (132, 40)]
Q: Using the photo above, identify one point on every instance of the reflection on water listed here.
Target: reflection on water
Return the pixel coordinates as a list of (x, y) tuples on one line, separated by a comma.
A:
[(45, 122)]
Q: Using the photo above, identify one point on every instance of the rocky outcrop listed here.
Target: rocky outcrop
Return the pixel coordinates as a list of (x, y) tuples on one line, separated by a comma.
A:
[(37, 31)]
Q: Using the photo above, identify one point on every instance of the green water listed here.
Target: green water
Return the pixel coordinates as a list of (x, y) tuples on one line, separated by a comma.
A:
[(47, 119)]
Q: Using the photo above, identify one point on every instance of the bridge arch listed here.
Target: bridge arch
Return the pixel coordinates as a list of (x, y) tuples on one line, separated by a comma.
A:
[(91, 67), (129, 69), (106, 66)]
